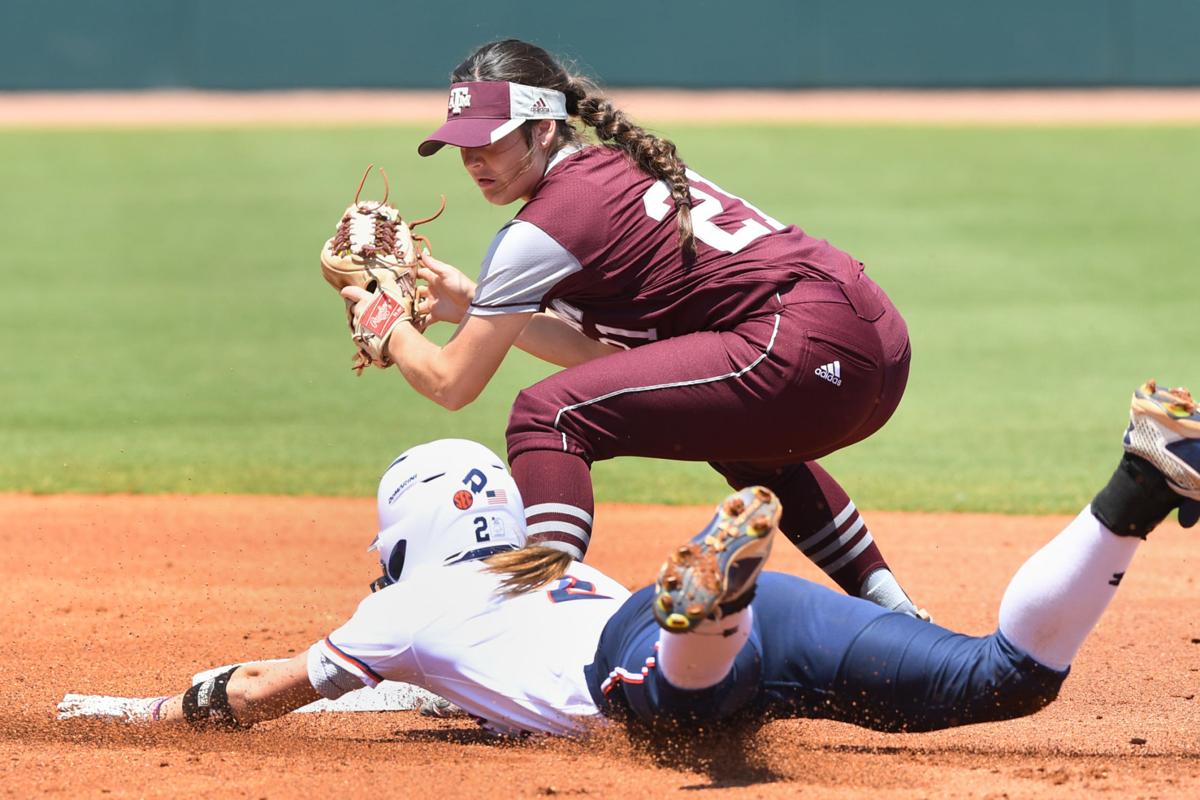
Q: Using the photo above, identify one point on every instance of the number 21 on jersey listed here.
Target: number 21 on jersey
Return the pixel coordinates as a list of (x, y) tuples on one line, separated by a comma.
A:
[(708, 202)]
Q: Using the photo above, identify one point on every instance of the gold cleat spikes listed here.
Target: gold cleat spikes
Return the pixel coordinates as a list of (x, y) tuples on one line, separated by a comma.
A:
[(714, 574)]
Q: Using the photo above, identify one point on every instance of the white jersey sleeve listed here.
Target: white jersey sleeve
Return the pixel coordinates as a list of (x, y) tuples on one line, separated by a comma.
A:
[(522, 265), (376, 640), (516, 662)]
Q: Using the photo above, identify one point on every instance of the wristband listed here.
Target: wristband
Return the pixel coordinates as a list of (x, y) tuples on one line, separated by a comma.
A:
[(206, 704)]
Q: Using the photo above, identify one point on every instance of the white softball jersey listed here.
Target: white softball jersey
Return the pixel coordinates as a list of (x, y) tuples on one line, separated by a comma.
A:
[(514, 662)]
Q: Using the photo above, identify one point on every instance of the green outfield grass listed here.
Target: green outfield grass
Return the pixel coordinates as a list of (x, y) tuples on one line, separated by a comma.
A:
[(165, 326)]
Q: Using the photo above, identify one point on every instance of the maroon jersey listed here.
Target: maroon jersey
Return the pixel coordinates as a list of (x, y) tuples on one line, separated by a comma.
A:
[(628, 283)]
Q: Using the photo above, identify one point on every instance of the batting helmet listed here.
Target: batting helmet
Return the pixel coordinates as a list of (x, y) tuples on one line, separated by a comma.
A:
[(443, 503)]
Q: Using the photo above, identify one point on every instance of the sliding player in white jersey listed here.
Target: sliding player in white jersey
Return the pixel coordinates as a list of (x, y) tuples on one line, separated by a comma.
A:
[(526, 639), (452, 502)]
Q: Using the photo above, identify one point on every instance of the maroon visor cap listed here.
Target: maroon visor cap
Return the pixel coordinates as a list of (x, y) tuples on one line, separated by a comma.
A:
[(480, 113)]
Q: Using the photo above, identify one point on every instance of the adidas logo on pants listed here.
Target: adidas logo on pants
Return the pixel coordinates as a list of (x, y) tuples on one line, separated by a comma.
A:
[(831, 372)]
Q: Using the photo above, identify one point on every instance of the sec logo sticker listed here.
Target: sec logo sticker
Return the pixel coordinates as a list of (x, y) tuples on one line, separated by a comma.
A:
[(463, 499)]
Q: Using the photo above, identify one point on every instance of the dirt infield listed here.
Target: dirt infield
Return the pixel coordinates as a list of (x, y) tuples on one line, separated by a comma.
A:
[(131, 595), (1019, 107)]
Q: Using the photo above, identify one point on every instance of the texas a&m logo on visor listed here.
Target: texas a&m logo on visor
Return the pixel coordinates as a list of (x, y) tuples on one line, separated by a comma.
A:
[(460, 98)]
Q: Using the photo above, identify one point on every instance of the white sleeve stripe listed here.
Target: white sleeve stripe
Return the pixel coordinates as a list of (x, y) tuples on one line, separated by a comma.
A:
[(495, 311), (558, 508), (348, 664), (328, 677), (504, 305)]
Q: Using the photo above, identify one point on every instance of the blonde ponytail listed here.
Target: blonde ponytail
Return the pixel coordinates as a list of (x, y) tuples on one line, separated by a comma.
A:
[(528, 569)]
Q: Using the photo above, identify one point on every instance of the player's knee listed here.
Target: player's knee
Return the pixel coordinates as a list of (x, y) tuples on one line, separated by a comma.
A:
[(1030, 689), (532, 412), (1012, 683), (912, 676), (535, 423), (1021, 692)]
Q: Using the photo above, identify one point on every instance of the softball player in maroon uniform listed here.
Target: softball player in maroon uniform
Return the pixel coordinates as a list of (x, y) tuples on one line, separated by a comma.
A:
[(692, 325)]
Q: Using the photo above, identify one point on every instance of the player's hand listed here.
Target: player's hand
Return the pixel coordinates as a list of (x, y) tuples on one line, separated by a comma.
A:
[(130, 710), (447, 292), (374, 316), (358, 299)]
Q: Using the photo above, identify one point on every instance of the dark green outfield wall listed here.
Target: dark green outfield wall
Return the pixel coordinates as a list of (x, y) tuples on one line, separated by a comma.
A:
[(251, 44)]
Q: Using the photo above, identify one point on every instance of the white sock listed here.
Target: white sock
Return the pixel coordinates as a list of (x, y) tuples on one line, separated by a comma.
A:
[(882, 589), (703, 656), (1059, 594)]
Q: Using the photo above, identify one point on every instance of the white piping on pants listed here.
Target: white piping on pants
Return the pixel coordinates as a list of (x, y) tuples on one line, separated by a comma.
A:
[(676, 385)]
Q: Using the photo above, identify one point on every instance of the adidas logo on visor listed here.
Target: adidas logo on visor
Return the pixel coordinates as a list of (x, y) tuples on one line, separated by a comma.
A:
[(539, 107)]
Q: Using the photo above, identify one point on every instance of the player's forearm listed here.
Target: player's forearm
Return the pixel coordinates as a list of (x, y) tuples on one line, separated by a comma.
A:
[(453, 375), (254, 692), (426, 368), (269, 689), (236, 698), (549, 338)]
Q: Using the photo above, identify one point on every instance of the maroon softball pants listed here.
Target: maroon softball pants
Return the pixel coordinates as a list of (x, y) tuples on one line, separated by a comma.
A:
[(820, 366)]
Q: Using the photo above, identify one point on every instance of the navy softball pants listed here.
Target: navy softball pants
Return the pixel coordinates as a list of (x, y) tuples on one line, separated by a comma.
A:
[(818, 654)]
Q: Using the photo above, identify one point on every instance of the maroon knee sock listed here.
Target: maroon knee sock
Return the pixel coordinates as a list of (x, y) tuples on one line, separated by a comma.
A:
[(557, 490), (819, 518)]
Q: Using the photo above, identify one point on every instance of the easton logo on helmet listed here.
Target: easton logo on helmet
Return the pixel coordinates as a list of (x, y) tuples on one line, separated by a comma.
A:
[(407, 482), (460, 98)]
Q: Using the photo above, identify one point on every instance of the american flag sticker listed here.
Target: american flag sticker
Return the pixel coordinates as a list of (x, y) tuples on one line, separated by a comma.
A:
[(496, 497)]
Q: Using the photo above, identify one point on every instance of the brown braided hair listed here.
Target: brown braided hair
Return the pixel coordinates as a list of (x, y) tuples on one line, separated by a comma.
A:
[(516, 61)]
